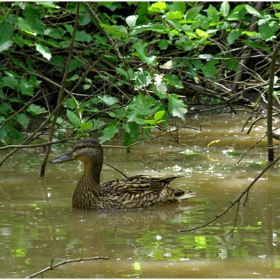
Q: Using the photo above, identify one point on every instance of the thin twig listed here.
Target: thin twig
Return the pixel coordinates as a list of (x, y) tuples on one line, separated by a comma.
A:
[(32, 145), (237, 201), (51, 266), (61, 92)]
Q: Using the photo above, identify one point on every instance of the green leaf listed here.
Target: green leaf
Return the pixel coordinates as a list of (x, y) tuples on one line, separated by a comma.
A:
[(141, 51), (234, 35), (177, 15), (10, 82), (209, 69), (16, 62), (211, 12), (35, 110), (142, 80), (129, 74), (109, 100), (82, 36), (131, 20), (23, 120), (74, 64), (5, 108), (202, 34), (132, 133), (163, 44), (158, 7), (151, 122), (5, 46), (252, 11), (253, 44), (158, 115), (109, 132), (268, 30), (160, 90), (193, 12), (26, 87), (73, 118), (85, 126), (180, 6), (6, 31), (140, 107), (116, 30), (174, 81), (232, 64), (73, 78), (32, 15), (176, 107), (59, 61), (84, 20), (237, 13), (224, 9), (44, 51)]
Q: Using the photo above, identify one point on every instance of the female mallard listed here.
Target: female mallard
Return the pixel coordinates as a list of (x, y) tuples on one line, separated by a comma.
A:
[(133, 192)]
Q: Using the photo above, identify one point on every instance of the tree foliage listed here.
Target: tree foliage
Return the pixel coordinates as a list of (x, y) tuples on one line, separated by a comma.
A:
[(132, 66)]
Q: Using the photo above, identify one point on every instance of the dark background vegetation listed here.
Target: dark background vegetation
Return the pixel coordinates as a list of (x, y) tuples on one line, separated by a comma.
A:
[(101, 68)]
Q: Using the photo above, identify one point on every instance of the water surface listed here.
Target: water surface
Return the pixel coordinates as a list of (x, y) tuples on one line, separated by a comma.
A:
[(37, 220)]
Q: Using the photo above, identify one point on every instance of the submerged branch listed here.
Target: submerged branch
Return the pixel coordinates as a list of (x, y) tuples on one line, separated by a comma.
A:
[(237, 202)]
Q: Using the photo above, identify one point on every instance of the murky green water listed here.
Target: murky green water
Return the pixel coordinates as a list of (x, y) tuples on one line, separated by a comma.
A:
[(37, 220)]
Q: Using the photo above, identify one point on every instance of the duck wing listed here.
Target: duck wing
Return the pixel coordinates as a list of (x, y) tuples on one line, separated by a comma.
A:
[(138, 184)]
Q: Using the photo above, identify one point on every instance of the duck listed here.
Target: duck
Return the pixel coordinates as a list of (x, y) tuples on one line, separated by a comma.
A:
[(137, 191)]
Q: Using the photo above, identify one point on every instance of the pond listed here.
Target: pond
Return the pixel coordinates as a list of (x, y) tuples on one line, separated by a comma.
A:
[(38, 224)]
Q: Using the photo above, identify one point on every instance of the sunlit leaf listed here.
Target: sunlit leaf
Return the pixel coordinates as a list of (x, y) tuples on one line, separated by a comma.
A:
[(201, 33), (158, 115), (213, 142), (224, 9), (157, 7), (251, 10), (85, 126), (174, 15), (5, 46), (109, 100), (131, 20), (176, 107), (35, 110), (44, 51)]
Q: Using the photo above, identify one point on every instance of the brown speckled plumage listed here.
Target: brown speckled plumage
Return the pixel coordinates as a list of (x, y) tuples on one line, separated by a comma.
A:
[(132, 192)]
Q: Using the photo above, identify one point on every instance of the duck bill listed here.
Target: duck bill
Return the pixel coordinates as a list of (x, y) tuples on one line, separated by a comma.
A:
[(63, 158)]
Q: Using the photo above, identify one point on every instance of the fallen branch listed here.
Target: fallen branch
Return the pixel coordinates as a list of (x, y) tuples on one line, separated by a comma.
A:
[(237, 202), (51, 266)]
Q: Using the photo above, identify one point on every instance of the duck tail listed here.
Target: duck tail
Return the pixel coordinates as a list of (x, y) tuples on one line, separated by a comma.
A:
[(186, 195)]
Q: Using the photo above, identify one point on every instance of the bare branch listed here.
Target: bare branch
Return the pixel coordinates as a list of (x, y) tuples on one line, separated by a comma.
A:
[(236, 202), (51, 266)]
